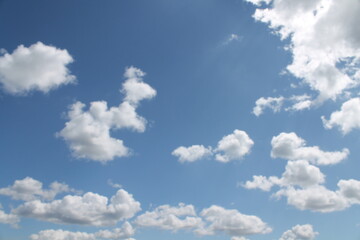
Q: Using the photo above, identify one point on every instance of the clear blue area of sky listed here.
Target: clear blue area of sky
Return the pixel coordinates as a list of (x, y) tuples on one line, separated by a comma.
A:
[(206, 89)]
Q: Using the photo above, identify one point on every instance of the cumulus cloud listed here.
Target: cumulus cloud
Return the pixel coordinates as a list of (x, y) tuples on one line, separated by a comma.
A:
[(88, 132), (347, 118), (350, 189), (37, 68), (233, 146), (8, 218), (324, 41), (89, 209), (274, 103), (300, 232), (192, 153), (291, 147), (260, 182), (124, 232), (170, 218), (29, 189), (231, 222)]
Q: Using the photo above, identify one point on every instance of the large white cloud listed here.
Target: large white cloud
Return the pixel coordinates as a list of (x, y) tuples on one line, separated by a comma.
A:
[(88, 132), (300, 232), (89, 209), (231, 222), (170, 218), (347, 118), (324, 41), (36, 68), (234, 146), (192, 153), (124, 232), (291, 147), (29, 189)]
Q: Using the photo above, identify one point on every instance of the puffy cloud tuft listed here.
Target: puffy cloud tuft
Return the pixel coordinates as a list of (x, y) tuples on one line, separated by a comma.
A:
[(192, 153), (347, 119), (300, 232), (37, 68), (88, 132), (291, 147), (271, 102), (233, 146)]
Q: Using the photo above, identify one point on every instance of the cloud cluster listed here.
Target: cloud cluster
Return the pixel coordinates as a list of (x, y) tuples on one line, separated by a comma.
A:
[(324, 41), (37, 68), (88, 132), (30, 189), (89, 209), (210, 221), (124, 232), (231, 147), (291, 147), (300, 232), (303, 183)]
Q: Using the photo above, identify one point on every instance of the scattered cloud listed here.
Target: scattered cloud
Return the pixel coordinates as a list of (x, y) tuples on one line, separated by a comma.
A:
[(37, 68), (88, 132), (233, 146), (8, 218), (90, 209), (30, 189), (291, 147), (347, 119), (233, 37), (231, 222), (325, 60), (192, 153), (274, 103), (170, 218), (300, 232), (124, 232)]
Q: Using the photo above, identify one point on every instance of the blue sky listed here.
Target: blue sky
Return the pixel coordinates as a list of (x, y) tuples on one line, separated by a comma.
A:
[(175, 119)]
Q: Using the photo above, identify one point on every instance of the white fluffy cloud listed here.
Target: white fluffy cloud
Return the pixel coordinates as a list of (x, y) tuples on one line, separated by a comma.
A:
[(170, 218), (29, 189), (291, 147), (89, 209), (347, 119), (192, 153), (324, 41), (8, 218), (350, 189), (273, 103), (233, 146), (88, 132), (300, 232), (124, 232), (315, 198), (37, 68), (231, 222)]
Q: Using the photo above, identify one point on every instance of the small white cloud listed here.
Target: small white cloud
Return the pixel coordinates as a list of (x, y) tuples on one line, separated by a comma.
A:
[(88, 132), (231, 222), (30, 189), (274, 103), (114, 185), (233, 37), (170, 218), (124, 232), (260, 182), (300, 232), (347, 119), (291, 147), (90, 209), (37, 68), (233, 146), (350, 189), (192, 153)]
